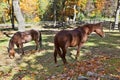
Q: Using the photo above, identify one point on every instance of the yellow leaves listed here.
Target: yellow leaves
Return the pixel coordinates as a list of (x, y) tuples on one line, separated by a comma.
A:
[(29, 6), (1, 73), (65, 69), (5, 0), (36, 19), (82, 3), (93, 13), (70, 3), (100, 4), (68, 11)]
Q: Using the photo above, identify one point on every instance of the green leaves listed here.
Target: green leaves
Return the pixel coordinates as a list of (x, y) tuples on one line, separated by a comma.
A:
[(3, 7)]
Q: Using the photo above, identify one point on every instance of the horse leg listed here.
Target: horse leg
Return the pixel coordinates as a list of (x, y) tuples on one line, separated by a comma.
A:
[(22, 49), (64, 54), (37, 44), (18, 48), (57, 50), (78, 50), (55, 56)]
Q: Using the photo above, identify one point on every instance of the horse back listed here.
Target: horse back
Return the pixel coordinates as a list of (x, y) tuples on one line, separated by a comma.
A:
[(35, 34), (30, 34), (68, 37), (16, 38), (23, 37)]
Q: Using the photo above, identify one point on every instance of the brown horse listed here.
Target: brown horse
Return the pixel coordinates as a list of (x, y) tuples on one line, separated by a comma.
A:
[(72, 38), (19, 38)]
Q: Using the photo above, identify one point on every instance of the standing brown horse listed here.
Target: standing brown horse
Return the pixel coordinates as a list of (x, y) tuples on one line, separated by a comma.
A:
[(19, 38), (72, 38)]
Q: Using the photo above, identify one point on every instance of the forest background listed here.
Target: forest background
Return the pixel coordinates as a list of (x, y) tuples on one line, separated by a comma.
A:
[(43, 10)]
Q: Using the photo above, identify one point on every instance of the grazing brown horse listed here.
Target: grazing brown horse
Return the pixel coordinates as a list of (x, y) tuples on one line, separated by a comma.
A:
[(19, 38), (72, 38)]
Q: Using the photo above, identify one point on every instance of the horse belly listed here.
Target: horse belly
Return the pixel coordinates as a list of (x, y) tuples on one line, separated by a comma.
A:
[(74, 43), (27, 38)]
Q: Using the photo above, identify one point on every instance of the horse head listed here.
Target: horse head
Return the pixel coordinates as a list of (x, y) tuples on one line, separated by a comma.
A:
[(11, 52), (99, 30)]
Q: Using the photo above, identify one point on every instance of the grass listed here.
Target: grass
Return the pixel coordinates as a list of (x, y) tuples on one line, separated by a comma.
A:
[(40, 65), (113, 65)]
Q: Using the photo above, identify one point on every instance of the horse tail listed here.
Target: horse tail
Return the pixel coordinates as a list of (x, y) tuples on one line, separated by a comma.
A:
[(6, 34), (56, 50), (40, 39)]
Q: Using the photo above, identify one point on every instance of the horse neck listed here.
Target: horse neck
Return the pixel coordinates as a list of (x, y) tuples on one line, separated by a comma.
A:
[(11, 44), (88, 29)]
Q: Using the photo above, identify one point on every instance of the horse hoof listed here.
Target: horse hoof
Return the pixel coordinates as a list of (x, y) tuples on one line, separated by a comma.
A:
[(76, 58), (21, 55), (11, 57), (56, 65)]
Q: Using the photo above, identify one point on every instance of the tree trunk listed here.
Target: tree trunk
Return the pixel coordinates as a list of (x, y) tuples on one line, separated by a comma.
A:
[(54, 5), (11, 14), (63, 7), (90, 6), (117, 15), (12, 17), (74, 13), (19, 16)]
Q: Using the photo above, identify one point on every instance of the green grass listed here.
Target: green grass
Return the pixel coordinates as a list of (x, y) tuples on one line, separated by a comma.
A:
[(112, 65), (40, 65)]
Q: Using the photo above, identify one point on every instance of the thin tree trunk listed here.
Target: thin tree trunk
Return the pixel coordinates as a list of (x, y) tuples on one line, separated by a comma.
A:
[(74, 13), (63, 7), (11, 14), (54, 5), (117, 15), (12, 17), (19, 16)]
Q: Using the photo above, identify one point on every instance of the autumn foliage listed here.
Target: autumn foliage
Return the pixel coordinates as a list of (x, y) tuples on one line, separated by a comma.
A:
[(36, 10)]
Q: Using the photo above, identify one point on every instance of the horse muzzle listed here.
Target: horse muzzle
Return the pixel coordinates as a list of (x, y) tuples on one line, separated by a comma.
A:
[(103, 35)]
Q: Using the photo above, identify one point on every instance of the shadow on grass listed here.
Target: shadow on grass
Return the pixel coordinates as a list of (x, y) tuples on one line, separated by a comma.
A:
[(58, 26), (26, 49), (1, 41), (41, 62), (8, 29), (108, 45)]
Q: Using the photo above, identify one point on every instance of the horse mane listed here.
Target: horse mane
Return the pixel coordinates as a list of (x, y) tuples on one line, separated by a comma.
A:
[(88, 28)]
